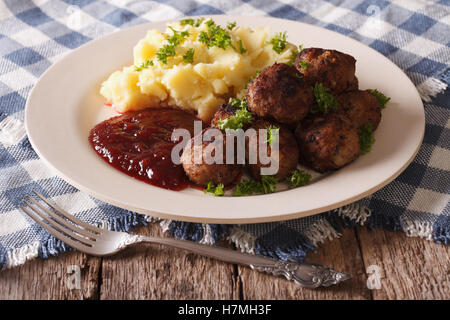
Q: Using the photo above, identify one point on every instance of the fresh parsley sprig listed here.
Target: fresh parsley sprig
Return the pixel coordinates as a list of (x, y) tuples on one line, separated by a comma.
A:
[(192, 22), (248, 186), (325, 101), (366, 138), (239, 119), (216, 36), (278, 42), (174, 40), (382, 99), (269, 183), (147, 63), (218, 190), (189, 56), (299, 178), (231, 25), (303, 65)]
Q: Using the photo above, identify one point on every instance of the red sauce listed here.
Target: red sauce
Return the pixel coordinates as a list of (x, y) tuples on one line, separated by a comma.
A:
[(139, 144)]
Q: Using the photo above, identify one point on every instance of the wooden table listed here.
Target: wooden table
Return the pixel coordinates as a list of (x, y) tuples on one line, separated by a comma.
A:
[(411, 268)]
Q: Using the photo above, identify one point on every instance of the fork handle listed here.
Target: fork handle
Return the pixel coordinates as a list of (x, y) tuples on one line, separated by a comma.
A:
[(305, 274)]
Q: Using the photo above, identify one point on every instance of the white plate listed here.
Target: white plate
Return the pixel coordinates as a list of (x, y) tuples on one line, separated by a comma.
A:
[(65, 104)]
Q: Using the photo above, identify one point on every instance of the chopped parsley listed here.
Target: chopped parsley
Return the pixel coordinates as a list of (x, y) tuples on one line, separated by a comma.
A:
[(187, 21), (366, 138), (382, 99), (189, 56), (272, 134), (299, 178), (303, 65), (216, 36), (242, 116), (218, 190), (268, 183), (249, 186), (168, 50), (147, 63), (231, 25), (325, 101), (192, 22), (278, 42), (242, 50)]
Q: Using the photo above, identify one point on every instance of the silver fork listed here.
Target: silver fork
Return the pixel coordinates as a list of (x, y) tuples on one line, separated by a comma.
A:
[(100, 242)]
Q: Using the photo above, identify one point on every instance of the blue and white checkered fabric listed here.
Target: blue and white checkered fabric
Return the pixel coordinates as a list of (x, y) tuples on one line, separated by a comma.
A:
[(414, 34)]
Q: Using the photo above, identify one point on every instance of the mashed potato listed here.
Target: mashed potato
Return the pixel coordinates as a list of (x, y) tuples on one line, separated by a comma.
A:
[(164, 74)]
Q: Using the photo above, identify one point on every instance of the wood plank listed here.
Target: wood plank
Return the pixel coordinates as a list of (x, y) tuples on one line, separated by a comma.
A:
[(410, 268), (341, 254), (157, 272), (47, 279)]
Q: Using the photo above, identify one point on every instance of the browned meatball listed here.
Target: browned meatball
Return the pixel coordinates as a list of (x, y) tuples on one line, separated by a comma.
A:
[(280, 93), (360, 107), (288, 150), (203, 173), (334, 69), (327, 143)]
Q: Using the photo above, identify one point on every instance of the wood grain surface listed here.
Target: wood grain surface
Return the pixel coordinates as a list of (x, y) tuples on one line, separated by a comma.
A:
[(410, 268)]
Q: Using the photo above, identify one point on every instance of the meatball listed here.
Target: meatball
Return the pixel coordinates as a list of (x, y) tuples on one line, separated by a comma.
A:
[(287, 146), (327, 143), (360, 107), (204, 172), (280, 93), (334, 69)]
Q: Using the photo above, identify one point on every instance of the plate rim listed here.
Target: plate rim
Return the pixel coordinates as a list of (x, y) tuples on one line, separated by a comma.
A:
[(221, 220)]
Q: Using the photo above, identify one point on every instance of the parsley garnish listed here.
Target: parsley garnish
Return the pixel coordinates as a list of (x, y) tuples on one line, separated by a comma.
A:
[(278, 42), (189, 56), (231, 25), (215, 190), (325, 101), (382, 99), (187, 21), (241, 117), (272, 134), (168, 50), (216, 36), (303, 65), (268, 183), (366, 138), (241, 47), (147, 63), (249, 187), (299, 178), (192, 22)]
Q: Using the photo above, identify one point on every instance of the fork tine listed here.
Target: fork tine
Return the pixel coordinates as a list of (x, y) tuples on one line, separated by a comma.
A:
[(59, 227), (74, 244), (72, 227), (68, 215)]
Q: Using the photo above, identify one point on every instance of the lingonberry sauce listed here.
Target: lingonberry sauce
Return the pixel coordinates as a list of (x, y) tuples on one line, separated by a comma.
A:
[(139, 144)]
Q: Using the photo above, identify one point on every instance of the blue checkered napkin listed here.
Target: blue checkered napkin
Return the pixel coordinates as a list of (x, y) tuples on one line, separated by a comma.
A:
[(413, 34)]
